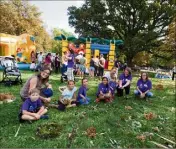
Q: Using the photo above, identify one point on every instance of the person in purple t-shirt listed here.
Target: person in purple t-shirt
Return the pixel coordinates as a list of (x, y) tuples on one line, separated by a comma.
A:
[(82, 95), (104, 92), (144, 85), (124, 82), (70, 65), (32, 108)]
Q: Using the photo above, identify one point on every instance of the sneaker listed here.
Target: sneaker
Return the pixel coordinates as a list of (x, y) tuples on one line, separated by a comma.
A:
[(44, 117)]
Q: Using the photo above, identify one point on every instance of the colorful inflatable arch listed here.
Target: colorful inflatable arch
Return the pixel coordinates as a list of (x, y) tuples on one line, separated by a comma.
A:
[(92, 46), (19, 46)]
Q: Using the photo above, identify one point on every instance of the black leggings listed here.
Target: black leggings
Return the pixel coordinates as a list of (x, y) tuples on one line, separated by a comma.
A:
[(96, 71), (120, 91), (101, 71)]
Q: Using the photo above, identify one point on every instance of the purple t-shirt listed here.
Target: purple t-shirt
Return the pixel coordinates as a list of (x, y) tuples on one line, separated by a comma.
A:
[(125, 78), (82, 90), (71, 61), (144, 86), (30, 106), (112, 85), (104, 88)]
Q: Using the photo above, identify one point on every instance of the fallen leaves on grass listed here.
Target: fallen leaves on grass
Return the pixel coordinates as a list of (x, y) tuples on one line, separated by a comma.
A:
[(149, 116), (159, 87), (144, 136), (91, 132), (141, 137), (128, 108), (155, 129), (48, 130)]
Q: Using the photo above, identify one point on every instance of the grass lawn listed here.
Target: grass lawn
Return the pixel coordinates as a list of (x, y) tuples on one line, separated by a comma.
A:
[(115, 125)]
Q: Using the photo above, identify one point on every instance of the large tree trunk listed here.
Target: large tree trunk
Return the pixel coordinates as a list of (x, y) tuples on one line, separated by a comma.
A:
[(129, 60)]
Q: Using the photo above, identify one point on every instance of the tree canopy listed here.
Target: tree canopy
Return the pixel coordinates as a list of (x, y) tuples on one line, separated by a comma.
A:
[(142, 24), (18, 17)]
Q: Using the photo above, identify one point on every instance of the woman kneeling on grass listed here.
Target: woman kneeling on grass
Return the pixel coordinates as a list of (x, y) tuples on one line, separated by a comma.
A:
[(144, 85), (32, 108), (104, 92), (124, 82), (38, 81)]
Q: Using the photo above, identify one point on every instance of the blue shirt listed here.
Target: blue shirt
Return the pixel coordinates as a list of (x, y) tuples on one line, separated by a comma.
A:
[(82, 90), (104, 88), (68, 94), (71, 62), (125, 78), (144, 86), (31, 106), (112, 85)]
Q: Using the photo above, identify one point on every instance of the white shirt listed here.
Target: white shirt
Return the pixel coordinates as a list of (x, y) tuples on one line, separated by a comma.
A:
[(102, 59), (79, 56), (96, 60), (32, 66), (40, 57), (107, 75)]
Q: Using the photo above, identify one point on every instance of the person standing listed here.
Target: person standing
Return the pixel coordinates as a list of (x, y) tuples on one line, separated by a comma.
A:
[(96, 62), (57, 63), (39, 59), (117, 64), (173, 72), (70, 65), (64, 63), (33, 57), (48, 60), (82, 66), (101, 66), (92, 68)]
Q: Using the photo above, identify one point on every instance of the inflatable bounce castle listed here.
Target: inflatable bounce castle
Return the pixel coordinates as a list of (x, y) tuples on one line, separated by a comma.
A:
[(91, 47), (19, 46)]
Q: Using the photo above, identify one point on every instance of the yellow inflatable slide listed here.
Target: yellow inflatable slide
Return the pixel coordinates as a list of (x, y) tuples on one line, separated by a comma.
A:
[(19, 46)]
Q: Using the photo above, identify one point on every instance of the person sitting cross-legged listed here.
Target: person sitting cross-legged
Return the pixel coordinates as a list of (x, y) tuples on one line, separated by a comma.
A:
[(144, 85), (32, 109)]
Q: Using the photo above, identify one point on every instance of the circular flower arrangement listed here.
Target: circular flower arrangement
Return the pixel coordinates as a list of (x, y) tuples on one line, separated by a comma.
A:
[(49, 130)]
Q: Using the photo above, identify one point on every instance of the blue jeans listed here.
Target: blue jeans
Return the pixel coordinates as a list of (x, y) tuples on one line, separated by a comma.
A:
[(64, 68), (82, 102), (148, 94)]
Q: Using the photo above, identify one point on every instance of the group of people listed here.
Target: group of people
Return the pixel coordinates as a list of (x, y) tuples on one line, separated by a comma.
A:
[(38, 61), (71, 64), (37, 92)]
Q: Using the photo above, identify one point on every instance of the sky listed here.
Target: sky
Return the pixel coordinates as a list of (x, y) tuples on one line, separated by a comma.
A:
[(54, 13)]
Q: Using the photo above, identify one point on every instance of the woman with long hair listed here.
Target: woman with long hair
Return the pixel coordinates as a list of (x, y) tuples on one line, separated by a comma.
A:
[(39, 81), (144, 85), (124, 82)]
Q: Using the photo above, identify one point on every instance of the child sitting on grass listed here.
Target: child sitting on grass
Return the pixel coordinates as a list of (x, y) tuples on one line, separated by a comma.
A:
[(113, 84), (68, 97), (104, 92), (82, 98), (32, 108)]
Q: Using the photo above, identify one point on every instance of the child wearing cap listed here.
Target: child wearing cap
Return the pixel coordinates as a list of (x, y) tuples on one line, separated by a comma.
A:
[(104, 92), (32, 108), (82, 95)]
